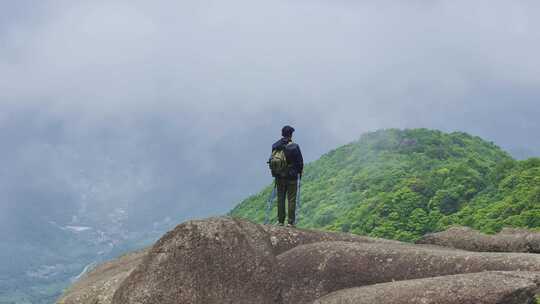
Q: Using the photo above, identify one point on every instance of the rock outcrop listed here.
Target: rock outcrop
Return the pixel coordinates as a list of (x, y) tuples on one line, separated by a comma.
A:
[(99, 285), (475, 288), (314, 270), (508, 240), (219, 260), (229, 260)]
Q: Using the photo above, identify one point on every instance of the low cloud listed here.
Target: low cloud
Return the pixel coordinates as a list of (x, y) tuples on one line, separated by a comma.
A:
[(170, 107)]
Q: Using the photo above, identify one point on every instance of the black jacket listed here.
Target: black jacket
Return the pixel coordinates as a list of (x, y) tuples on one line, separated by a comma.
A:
[(293, 155)]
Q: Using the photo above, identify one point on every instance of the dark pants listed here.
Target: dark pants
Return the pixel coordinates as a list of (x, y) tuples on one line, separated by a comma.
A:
[(286, 188)]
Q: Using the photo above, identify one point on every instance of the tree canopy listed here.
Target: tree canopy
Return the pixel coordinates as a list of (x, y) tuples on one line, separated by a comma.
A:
[(401, 184)]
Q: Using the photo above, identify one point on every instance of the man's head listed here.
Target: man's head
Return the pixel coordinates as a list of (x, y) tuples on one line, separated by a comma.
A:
[(287, 131)]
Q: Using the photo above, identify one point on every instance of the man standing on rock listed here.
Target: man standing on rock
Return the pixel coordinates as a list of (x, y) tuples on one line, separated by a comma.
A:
[(287, 165)]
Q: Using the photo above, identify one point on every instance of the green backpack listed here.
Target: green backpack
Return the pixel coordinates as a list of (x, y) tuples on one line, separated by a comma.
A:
[(278, 163)]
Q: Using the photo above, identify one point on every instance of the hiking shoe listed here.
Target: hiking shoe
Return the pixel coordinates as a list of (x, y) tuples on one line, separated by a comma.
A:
[(279, 224), (291, 225)]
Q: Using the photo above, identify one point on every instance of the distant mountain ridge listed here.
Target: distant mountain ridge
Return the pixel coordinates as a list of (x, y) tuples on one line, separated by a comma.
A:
[(402, 184)]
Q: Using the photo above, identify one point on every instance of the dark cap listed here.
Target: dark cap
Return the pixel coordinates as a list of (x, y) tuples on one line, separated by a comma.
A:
[(287, 131)]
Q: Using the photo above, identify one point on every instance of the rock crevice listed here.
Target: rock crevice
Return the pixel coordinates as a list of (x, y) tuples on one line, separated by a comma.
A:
[(508, 240)]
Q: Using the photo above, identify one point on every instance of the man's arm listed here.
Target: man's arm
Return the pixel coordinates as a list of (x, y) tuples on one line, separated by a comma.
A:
[(299, 161), (294, 158)]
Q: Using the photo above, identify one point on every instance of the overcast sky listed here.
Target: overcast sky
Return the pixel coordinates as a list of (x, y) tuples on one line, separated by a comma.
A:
[(153, 104)]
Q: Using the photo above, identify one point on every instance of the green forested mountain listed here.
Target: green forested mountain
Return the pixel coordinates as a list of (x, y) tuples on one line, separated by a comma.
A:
[(402, 184)]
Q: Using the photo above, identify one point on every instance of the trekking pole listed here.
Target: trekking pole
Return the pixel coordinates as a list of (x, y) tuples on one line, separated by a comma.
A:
[(298, 190), (269, 204)]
